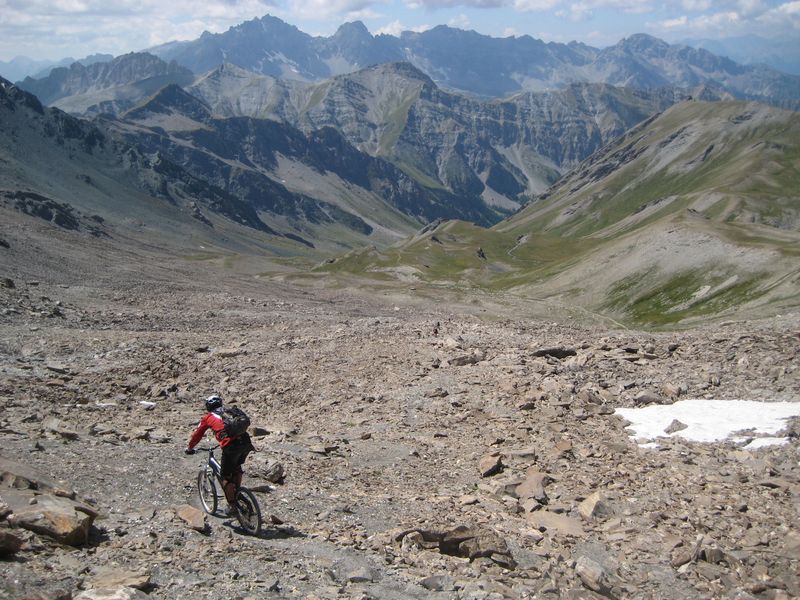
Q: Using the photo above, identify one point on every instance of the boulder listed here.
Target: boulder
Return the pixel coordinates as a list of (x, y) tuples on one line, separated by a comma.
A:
[(595, 507), (792, 545), (490, 464), (675, 426), (273, 471), (501, 486), (24, 477), (593, 575), (54, 425), (472, 358), (643, 398), (437, 583), (62, 519), (533, 487), (557, 523), (463, 541), (10, 543), (556, 352), (670, 390), (115, 578), (193, 517), (123, 593)]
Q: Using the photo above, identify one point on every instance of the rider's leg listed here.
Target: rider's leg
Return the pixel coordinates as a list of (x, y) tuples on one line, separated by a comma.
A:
[(230, 487)]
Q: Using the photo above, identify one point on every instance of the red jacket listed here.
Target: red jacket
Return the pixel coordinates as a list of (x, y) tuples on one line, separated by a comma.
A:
[(214, 422)]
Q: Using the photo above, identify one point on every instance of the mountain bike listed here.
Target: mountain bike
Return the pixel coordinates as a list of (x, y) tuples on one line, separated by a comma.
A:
[(209, 487)]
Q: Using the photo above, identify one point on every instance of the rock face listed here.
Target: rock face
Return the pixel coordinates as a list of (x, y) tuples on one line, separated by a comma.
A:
[(103, 87), (90, 153), (266, 147), (395, 111)]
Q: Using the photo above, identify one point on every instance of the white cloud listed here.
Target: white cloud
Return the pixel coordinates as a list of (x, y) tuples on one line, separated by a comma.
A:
[(317, 9), (436, 4), (534, 5), (716, 24), (395, 28), (461, 21), (784, 16), (510, 32), (733, 17), (750, 7), (58, 28), (677, 23), (696, 5), (585, 9)]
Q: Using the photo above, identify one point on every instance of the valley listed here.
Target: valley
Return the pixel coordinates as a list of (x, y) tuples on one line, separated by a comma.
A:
[(444, 296)]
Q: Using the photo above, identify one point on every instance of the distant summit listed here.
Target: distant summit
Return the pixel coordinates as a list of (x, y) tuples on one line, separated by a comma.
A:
[(81, 89)]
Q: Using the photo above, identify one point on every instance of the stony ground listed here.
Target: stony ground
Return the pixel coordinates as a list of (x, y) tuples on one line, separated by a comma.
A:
[(428, 453)]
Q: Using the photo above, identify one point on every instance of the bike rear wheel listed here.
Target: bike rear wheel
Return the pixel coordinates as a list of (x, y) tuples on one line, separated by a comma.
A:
[(248, 513), (207, 489)]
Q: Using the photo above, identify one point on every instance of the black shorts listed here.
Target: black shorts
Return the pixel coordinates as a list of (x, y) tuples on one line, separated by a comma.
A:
[(234, 455)]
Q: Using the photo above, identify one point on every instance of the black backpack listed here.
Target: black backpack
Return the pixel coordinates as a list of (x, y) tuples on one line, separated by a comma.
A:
[(236, 421)]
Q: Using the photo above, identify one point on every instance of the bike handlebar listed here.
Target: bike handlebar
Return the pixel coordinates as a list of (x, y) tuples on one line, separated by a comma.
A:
[(207, 449)]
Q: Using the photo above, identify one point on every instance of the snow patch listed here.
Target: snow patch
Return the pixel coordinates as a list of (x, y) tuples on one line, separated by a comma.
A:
[(712, 421), (766, 441)]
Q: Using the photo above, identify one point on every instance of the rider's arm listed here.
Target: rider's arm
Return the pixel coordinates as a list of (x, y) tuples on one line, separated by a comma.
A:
[(198, 433)]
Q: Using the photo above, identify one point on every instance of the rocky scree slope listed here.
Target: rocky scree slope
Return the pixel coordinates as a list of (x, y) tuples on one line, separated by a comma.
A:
[(427, 454)]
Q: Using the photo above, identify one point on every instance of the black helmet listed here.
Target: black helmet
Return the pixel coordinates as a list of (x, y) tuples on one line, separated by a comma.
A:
[(213, 402)]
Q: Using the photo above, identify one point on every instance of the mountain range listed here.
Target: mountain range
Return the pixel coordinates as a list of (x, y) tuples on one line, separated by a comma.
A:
[(485, 157), (781, 53), (650, 202), (476, 64)]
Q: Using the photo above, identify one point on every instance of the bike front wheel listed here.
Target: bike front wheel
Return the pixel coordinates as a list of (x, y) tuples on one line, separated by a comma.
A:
[(248, 513), (207, 489)]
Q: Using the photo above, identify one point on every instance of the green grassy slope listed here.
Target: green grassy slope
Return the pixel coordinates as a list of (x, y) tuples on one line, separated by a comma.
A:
[(691, 215)]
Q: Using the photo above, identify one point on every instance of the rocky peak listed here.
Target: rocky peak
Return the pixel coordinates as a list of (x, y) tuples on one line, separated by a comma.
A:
[(352, 30), (12, 97), (642, 43), (403, 69), (172, 98), (123, 70)]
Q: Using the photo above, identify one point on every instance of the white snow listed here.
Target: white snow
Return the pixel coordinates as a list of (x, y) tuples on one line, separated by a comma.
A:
[(713, 420), (766, 441)]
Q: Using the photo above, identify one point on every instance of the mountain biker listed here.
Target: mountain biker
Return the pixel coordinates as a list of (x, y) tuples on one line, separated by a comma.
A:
[(234, 449)]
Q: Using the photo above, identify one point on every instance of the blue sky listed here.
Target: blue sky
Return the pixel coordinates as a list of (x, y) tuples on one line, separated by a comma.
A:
[(54, 29)]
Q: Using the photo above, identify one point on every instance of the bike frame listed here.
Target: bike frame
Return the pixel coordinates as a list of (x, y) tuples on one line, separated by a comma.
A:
[(242, 494)]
